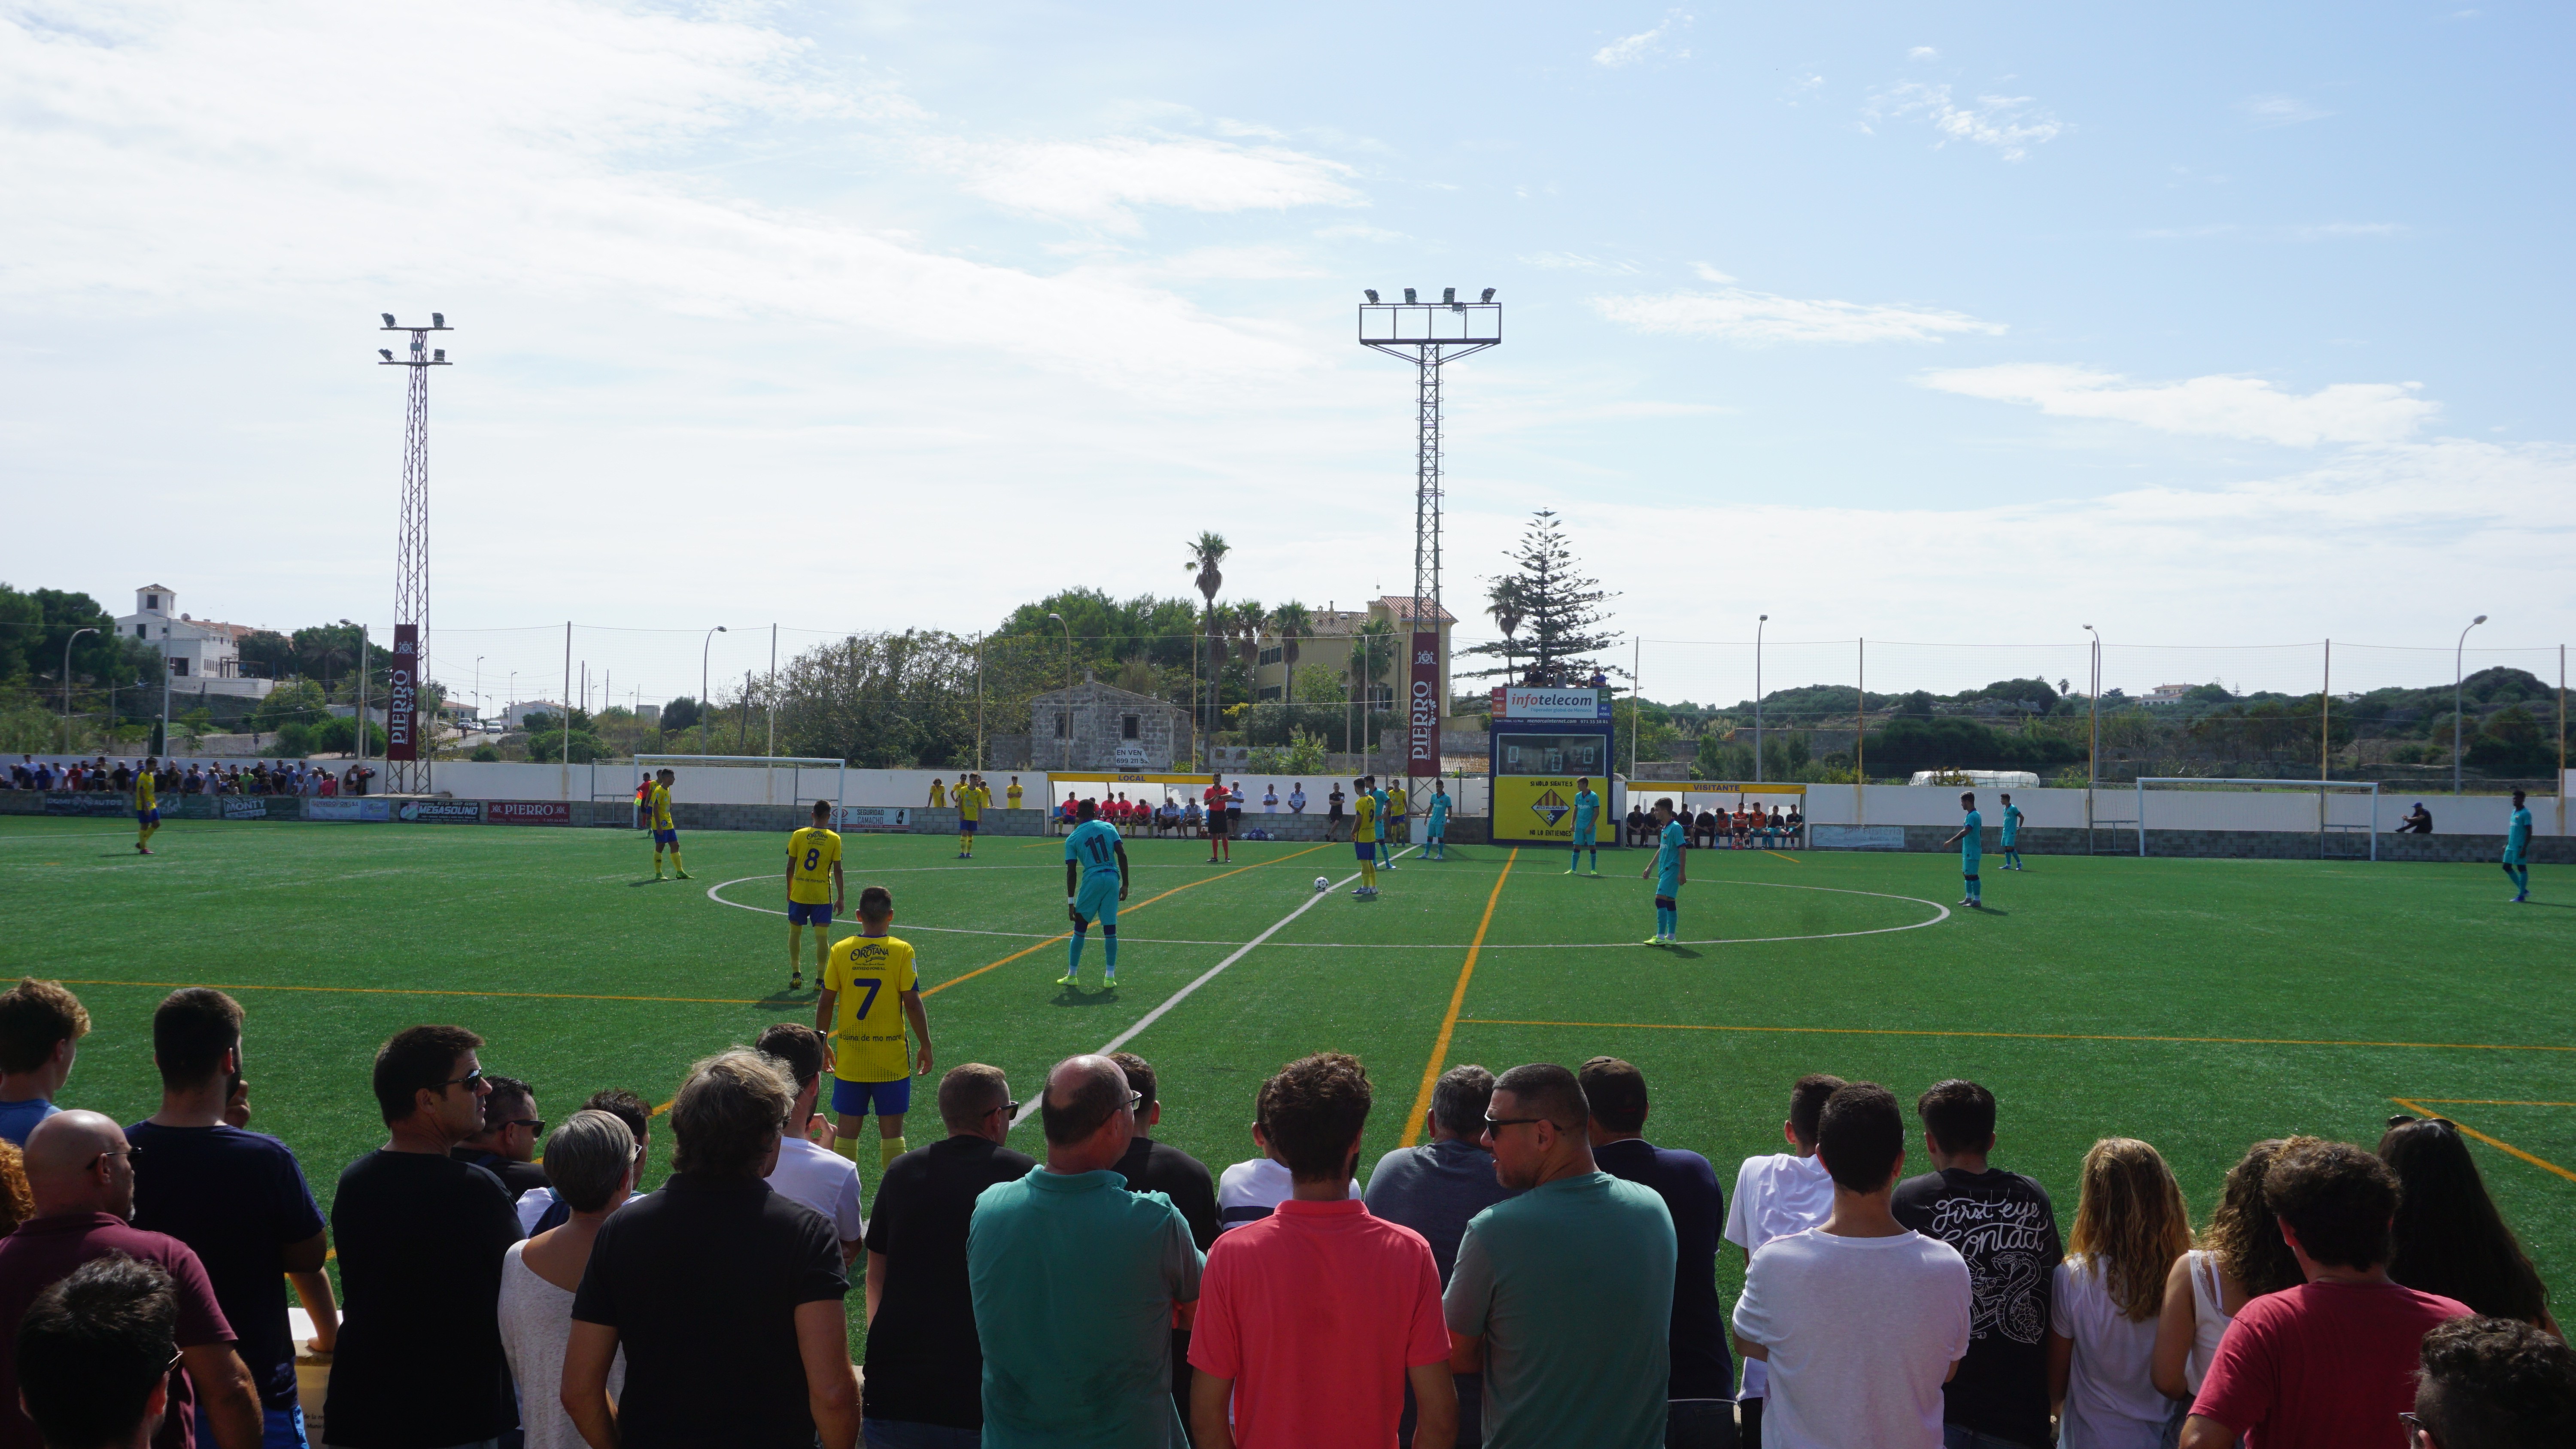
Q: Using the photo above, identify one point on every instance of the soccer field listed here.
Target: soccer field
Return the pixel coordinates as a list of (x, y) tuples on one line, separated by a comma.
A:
[(2197, 1004)]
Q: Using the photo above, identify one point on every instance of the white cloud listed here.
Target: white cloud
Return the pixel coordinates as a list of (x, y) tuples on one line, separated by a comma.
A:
[(1923, 52), (2217, 406), (1737, 314), (2269, 111), (1575, 262), (1103, 182), (1646, 44), (2009, 124)]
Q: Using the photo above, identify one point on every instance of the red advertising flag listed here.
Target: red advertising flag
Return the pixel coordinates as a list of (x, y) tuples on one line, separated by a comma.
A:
[(1423, 706), (402, 696)]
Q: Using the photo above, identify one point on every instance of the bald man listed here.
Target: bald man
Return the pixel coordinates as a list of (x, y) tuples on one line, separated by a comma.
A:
[(81, 1172), (1076, 1281)]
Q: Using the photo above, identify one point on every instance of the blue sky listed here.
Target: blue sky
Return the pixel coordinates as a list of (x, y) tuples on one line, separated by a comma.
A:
[(2203, 324)]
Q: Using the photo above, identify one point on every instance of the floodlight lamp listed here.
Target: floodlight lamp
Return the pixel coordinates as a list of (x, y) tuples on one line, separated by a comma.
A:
[(1449, 296), (1369, 292), (388, 316), (1489, 294), (386, 353), (2480, 619), (440, 355), (437, 319), (1408, 294)]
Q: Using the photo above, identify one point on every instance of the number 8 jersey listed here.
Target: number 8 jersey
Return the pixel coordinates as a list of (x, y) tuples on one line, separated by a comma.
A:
[(869, 975)]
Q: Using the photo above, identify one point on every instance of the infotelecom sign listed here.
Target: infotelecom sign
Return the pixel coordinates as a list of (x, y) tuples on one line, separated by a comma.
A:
[(1520, 704)]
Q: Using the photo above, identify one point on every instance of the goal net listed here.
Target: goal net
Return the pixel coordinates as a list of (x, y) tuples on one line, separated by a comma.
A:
[(731, 779), (2343, 815)]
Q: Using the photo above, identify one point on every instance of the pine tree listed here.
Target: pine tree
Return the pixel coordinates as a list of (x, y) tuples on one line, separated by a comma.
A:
[(1559, 612)]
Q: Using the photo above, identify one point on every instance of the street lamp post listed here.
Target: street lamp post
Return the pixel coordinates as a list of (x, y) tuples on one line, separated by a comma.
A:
[(1066, 733), (67, 686), (2459, 652), (1757, 697), (703, 649), (2093, 750), (478, 693)]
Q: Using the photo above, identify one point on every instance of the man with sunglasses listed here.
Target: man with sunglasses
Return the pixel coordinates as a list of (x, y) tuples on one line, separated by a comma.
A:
[(80, 1170), (421, 1236), (507, 1145)]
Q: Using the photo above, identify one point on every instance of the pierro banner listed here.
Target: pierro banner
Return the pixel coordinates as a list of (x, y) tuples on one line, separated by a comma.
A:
[(1423, 705), (402, 698)]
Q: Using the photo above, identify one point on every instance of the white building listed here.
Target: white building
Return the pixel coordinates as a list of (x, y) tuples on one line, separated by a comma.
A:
[(204, 657), (515, 717), (2164, 694)]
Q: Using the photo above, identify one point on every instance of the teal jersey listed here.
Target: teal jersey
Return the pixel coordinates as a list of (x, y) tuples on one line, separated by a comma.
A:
[(2517, 834), (1973, 844), (1587, 808), (1380, 797), (1095, 844), (2012, 823), (1439, 810), (1668, 857)]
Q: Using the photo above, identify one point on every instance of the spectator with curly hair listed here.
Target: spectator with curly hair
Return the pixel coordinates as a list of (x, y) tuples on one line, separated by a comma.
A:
[(17, 1203), (2240, 1258), (2450, 1238), (2493, 1383), (2331, 1363), (2130, 1227), (41, 1025)]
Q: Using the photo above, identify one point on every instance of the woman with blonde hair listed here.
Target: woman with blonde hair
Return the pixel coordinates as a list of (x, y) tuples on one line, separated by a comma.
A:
[(2130, 1229), (2240, 1258)]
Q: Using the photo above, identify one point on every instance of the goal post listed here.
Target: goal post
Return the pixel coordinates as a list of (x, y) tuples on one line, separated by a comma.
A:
[(2326, 824), (782, 778)]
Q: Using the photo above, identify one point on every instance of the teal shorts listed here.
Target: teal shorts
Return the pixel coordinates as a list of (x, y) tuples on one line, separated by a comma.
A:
[(1098, 899)]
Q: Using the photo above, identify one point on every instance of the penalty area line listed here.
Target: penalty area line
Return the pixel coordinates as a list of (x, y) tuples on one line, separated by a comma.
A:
[(2501, 1146)]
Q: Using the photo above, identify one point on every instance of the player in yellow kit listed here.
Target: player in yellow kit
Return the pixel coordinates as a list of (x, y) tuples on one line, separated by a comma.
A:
[(870, 990), (971, 801), (814, 891), (147, 805), (1012, 795), (1364, 836), (665, 835)]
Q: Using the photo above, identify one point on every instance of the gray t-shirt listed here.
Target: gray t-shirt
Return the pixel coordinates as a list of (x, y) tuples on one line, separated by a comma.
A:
[(1434, 1189), (1571, 1286)]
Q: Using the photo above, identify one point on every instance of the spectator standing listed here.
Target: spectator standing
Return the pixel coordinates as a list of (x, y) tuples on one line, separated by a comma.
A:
[(2494, 1383), (1319, 1293), (17, 1203), (1436, 1189), (1777, 1195), (41, 1025), (1616, 1092), (1296, 797), (1333, 813), (2004, 1226), (1151, 1166), (2331, 1362), (592, 1160), (1075, 1282), (538, 1209), (507, 1145), (1563, 1295), (94, 1353), (1860, 1318), (725, 1296), (1270, 798), (421, 1236), (238, 1200), (1252, 1189), (924, 1388), (2240, 1259), (816, 1176), (2450, 1240), (80, 1170), (2130, 1229)]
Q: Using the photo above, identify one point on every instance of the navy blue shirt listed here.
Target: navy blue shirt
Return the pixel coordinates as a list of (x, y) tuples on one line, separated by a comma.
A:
[(237, 1199), (1702, 1367)]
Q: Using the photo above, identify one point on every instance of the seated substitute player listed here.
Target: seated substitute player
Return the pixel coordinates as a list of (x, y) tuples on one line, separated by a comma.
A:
[(1218, 844), (869, 991), (1669, 872), (815, 890), (1095, 881), (1364, 837), (2517, 849), (1972, 846), (970, 815), (2012, 835), (1587, 816), (665, 835), (147, 805), (1435, 823)]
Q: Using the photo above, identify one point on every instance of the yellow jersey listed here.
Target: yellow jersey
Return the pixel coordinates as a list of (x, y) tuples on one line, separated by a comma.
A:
[(661, 807), (1394, 802), (938, 793), (1012, 795), (1364, 816), (811, 854), (146, 794), (970, 803), (868, 975)]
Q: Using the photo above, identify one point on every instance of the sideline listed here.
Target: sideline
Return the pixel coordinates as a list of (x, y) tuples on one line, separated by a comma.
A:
[(2498, 1145), (1457, 999), (2441, 1046)]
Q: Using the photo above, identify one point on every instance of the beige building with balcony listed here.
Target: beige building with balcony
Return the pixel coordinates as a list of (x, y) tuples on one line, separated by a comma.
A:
[(1330, 648)]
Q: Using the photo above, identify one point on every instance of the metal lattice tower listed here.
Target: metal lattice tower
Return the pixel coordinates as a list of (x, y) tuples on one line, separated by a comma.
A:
[(411, 539)]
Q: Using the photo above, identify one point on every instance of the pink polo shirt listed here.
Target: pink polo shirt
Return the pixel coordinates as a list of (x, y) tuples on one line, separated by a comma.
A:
[(1315, 1312)]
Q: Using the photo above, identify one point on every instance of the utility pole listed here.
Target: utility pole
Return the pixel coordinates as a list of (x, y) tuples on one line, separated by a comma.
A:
[(408, 772)]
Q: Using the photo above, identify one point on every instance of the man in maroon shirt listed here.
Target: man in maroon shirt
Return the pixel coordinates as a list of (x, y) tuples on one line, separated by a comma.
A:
[(2331, 1363), (81, 1173)]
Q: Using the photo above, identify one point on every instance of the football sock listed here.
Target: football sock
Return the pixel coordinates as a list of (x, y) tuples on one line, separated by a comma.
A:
[(888, 1149), (1073, 955), (795, 949), (1596, 859), (1573, 860), (1109, 943), (1368, 875), (675, 862), (846, 1147)]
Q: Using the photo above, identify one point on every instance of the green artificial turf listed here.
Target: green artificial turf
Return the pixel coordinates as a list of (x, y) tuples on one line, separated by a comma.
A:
[(2199, 1005)]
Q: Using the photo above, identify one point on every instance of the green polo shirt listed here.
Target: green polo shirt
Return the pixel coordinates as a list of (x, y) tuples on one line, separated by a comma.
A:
[(1073, 1279), (1571, 1286)]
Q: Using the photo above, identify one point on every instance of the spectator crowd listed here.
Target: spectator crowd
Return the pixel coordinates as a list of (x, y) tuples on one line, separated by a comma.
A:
[(1539, 1271), (169, 778)]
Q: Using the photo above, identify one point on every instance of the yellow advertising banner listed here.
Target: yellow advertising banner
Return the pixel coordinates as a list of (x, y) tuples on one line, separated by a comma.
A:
[(1541, 808), (1646, 790)]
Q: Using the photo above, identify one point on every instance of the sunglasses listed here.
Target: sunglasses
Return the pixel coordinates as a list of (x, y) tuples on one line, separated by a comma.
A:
[(536, 1125), (469, 1081), (131, 1155), (1494, 1123), (1008, 1109)]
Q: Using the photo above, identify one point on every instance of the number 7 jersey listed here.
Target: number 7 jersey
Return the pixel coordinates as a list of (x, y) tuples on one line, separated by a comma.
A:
[(868, 975)]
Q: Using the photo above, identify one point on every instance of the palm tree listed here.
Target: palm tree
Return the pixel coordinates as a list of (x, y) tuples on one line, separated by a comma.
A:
[(1291, 621), (1251, 621), (1207, 552), (1503, 604), (1372, 654)]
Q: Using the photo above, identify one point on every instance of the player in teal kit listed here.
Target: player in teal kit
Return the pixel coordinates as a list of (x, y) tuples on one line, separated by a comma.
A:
[(1095, 854), (1971, 840), (1385, 851), (1435, 827), (2517, 850), (1587, 809), (1668, 873), (2012, 833)]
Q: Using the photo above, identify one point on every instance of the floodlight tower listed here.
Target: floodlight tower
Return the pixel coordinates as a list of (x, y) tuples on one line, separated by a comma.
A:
[(1427, 334), (407, 763)]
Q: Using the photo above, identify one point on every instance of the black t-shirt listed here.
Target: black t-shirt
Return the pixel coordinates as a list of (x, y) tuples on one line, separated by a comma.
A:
[(702, 1281), (2003, 1224), (1152, 1166), (236, 1199), (925, 1364), (1702, 1367), (420, 1240), (516, 1176)]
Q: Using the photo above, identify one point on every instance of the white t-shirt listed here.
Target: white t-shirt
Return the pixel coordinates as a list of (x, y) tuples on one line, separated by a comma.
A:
[(822, 1180), (536, 1323), (1247, 1192), (1775, 1195), (1297, 802), (1269, 802), (1861, 1332), (2111, 1398)]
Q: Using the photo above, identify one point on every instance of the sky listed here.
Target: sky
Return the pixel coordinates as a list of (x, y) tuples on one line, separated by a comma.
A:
[(2224, 329)]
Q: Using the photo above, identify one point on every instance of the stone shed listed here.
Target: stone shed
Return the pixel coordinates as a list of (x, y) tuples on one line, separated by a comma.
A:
[(1096, 726)]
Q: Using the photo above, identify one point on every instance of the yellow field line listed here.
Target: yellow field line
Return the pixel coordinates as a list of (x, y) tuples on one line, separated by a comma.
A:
[(2504, 1147), (2021, 1035), (1793, 860), (1457, 999), (422, 991), (2487, 1102), (1122, 910)]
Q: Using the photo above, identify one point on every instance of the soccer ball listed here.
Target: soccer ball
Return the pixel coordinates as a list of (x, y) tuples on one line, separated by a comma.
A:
[(1322, 885)]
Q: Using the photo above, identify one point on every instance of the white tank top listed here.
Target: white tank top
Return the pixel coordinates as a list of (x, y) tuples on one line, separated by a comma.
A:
[(2208, 1320)]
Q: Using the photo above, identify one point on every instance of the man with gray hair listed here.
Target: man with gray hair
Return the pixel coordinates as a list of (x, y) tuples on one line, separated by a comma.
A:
[(725, 1296), (592, 1161), (1076, 1280), (1563, 1295), (1435, 1189)]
